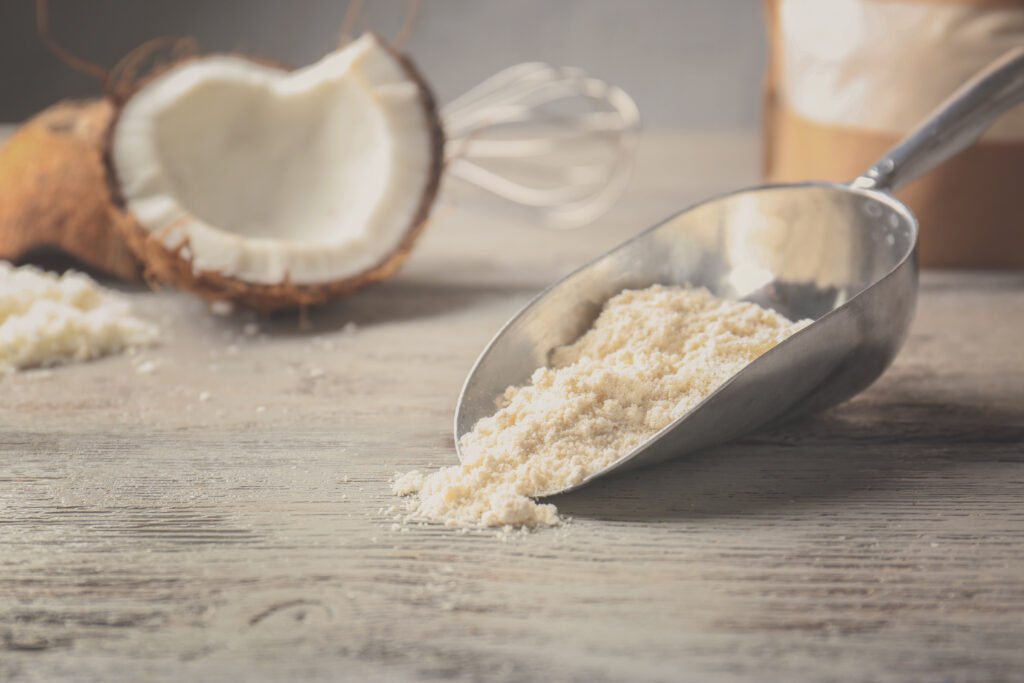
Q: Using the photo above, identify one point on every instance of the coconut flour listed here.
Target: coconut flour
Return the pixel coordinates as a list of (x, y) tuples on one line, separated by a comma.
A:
[(650, 357), (46, 319)]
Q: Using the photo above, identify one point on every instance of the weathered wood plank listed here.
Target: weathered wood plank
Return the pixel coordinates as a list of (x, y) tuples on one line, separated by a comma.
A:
[(146, 535)]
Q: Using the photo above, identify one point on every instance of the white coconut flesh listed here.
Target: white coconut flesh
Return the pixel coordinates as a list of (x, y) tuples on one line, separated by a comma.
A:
[(267, 176)]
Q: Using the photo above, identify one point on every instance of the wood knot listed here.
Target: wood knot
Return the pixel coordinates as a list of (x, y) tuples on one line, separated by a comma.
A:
[(292, 613)]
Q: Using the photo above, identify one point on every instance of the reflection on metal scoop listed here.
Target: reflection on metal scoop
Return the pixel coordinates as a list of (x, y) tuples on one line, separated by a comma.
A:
[(842, 255)]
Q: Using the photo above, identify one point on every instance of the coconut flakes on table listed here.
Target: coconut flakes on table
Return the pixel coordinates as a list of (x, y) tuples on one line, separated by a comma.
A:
[(48, 319)]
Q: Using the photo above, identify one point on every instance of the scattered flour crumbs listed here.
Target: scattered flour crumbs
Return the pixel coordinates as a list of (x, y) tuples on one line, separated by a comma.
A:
[(651, 356), (47, 319)]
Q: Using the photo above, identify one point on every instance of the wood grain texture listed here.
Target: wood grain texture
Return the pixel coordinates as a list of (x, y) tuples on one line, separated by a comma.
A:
[(148, 535)]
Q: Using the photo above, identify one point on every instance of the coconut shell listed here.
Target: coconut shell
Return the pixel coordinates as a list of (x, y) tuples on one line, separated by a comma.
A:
[(174, 267), (54, 191)]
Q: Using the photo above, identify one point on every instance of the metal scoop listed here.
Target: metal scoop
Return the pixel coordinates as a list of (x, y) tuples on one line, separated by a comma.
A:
[(841, 255)]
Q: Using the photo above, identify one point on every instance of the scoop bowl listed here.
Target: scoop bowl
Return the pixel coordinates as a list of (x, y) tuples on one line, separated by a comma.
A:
[(841, 255)]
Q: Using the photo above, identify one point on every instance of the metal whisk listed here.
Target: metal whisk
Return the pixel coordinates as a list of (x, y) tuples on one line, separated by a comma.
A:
[(549, 138)]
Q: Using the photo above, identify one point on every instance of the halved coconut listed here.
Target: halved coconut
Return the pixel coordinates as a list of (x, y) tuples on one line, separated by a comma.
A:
[(278, 189)]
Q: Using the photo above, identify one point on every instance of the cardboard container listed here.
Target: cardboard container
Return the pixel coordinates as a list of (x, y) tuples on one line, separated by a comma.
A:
[(848, 78)]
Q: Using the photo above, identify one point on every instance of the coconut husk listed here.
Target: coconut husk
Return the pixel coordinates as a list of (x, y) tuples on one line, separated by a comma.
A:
[(54, 192)]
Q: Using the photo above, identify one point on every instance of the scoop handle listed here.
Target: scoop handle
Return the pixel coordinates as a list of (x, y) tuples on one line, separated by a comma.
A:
[(954, 126)]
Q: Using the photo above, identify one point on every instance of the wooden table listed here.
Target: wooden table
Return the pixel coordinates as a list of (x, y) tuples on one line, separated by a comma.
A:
[(148, 535)]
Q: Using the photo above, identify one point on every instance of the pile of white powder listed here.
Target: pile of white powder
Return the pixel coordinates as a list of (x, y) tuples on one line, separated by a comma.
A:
[(46, 319), (650, 357)]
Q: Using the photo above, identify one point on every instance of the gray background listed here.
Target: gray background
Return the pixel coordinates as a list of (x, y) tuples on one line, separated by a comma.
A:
[(688, 63)]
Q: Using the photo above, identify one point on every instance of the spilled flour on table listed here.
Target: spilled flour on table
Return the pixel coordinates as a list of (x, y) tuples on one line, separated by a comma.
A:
[(48, 319), (650, 357)]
